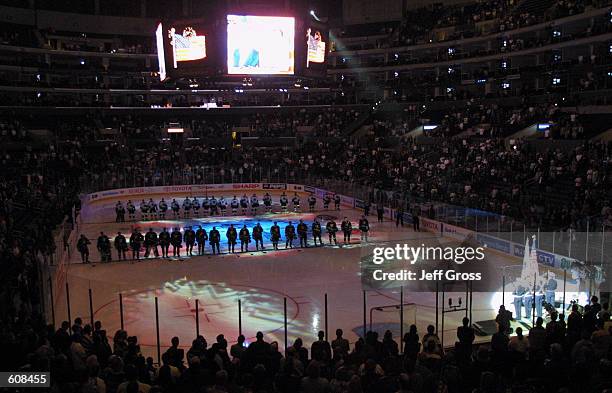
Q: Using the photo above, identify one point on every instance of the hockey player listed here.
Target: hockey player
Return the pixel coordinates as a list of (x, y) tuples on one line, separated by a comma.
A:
[(190, 238), (347, 230), (82, 247), (366, 207), (295, 201), (135, 243), (275, 235), (245, 239), (380, 211), (119, 212), (195, 204), (215, 239), (331, 228), (222, 205), (186, 207), (302, 230), (164, 242), (244, 203), (337, 201), (231, 235), (364, 227), (235, 204), (163, 208), (254, 204), (104, 247), (131, 209), (205, 206), (289, 235), (213, 206), (175, 209), (258, 236), (201, 237), (326, 201), (176, 239), (144, 210), (316, 232), (267, 200), (150, 242), (284, 202), (152, 209), (312, 201), (121, 246)]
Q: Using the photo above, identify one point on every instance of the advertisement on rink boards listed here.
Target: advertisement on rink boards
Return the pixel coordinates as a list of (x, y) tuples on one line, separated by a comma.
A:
[(189, 188), (274, 186)]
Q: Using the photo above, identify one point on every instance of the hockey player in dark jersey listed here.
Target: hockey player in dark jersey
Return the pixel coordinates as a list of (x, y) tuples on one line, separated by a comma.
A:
[(195, 205), (83, 248), (295, 201), (215, 239), (175, 209), (231, 235), (347, 230), (267, 200), (163, 208), (164, 242), (302, 230), (366, 207), (331, 229), (201, 237), (364, 227), (176, 239), (244, 203), (190, 238), (316, 232), (284, 202), (205, 206), (121, 246), (312, 201), (258, 236), (337, 201), (326, 201), (235, 204), (150, 242), (119, 212), (289, 235), (245, 239), (135, 243), (104, 247), (131, 209), (275, 235)]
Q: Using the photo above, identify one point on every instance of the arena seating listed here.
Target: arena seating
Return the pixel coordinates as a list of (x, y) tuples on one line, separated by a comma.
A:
[(516, 97)]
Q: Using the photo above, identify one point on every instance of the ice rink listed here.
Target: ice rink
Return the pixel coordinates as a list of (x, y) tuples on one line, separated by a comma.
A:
[(260, 280)]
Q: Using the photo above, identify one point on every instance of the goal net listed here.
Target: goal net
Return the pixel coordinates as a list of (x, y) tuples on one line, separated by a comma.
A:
[(389, 317)]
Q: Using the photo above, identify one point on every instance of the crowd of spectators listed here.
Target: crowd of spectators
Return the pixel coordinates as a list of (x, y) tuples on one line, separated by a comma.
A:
[(570, 353)]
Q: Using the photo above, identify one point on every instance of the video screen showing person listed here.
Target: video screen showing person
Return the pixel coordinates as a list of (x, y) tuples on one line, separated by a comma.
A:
[(187, 44), (260, 45), (316, 47)]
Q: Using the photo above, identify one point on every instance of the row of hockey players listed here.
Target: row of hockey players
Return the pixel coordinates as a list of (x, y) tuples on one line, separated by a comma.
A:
[(150, 210), (198, 238)]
